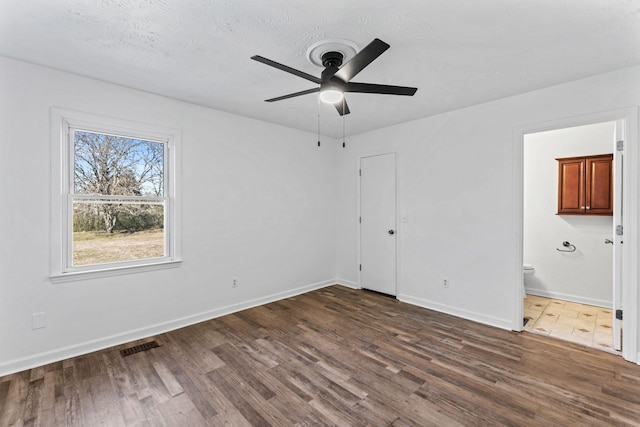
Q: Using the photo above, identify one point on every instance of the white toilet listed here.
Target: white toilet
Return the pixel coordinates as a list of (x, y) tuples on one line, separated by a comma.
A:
[(528, 271)]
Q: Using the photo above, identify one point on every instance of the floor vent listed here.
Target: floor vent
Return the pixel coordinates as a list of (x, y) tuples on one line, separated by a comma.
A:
[(138, 348)]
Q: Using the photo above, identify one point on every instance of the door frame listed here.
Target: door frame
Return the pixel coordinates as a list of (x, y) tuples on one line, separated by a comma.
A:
[(358, 225), (631, 214), (618, 219)]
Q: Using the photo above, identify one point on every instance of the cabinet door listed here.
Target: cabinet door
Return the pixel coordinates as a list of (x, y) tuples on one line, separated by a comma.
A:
[(599, 194), (571, 186)]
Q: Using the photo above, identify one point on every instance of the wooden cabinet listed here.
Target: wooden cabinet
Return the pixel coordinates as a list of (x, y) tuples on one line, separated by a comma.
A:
[(585, 185)]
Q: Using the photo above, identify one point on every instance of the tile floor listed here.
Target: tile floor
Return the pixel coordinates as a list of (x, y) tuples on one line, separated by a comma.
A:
[(579, 323)]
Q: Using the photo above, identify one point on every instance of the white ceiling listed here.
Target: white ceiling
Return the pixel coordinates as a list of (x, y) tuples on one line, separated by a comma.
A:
[(457, 52)]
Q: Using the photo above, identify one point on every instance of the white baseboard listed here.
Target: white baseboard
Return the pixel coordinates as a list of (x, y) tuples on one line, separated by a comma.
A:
[(347, 283), (59, 354), (454, 311), (569, 297)]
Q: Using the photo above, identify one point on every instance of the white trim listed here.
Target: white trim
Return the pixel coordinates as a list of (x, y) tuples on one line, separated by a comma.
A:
[(455, 311), (63, 353), (346, 283), (568, 297), (75, 276), (631, 215), (62, 121), (618, 249), (518, 224), (358, 224)]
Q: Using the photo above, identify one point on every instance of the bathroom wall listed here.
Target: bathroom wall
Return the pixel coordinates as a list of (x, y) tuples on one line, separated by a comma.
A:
[(582, 276)]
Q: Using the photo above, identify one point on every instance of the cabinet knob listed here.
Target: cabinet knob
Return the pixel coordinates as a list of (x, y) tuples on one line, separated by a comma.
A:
[(588, 207)]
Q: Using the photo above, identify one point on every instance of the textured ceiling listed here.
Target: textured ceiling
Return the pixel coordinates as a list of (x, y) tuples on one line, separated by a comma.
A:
[(457, 52)]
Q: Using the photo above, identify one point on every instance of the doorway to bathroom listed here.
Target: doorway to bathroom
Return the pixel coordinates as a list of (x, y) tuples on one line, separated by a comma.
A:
[(572, 193)]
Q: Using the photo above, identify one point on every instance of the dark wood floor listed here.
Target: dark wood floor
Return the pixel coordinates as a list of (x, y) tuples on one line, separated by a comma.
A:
[(335, 356)]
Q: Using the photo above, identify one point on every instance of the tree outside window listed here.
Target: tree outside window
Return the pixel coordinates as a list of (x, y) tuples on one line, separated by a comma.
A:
[(118, 199)]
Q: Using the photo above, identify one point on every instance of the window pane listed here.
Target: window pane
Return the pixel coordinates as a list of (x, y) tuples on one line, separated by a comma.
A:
[(105, 231), (113, 165)]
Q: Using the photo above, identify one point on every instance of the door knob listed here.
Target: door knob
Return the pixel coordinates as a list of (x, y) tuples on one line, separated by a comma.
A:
[(608, 241), (392, 232)]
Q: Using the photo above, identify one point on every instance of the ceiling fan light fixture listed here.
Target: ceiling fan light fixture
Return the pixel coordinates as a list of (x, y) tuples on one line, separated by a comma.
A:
[(331, 96), (336, 77)]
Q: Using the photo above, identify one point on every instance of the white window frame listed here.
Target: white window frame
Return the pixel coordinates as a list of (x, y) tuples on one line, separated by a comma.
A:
[(63, 123)]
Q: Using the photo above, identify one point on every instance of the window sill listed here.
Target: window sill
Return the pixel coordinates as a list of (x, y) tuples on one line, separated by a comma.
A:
[(116, 271)]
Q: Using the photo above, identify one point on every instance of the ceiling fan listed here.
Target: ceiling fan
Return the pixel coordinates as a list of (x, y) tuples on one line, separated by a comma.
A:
[(336, 77)]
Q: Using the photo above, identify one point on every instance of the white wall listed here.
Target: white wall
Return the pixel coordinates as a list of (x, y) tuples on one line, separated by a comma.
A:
[(586, 275), (263, 203), (256, 204), (458, 183)]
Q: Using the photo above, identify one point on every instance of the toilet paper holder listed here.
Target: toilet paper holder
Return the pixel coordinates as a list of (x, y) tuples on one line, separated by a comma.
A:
[(569, 247)]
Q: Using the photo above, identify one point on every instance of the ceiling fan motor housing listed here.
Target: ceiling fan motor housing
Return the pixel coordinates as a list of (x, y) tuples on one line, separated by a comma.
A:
[(332, 59)]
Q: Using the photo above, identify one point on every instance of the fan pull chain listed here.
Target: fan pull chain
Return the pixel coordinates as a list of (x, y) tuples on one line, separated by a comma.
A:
[(318, 125), (343, 120)]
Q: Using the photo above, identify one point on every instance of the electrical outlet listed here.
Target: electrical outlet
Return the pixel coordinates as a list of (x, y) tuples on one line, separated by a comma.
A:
[(38, 320), (445, 283), (234, 282)]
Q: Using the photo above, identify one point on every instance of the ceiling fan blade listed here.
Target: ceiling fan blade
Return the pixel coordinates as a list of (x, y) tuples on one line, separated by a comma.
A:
[(292, 95), (382, 89), (327, 74), (342, 107), (286, 68), (363, 58)]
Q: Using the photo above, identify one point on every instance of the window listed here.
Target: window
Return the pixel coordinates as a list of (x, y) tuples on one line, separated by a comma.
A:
[(114, 203)]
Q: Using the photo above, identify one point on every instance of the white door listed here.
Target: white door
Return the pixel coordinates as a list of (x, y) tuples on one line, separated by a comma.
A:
[(378, 223), (617, 233)]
